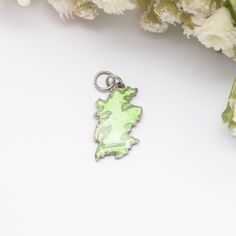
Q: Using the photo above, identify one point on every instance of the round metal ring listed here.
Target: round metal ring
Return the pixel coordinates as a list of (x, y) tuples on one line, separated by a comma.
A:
[(118, 81), (109, 84)]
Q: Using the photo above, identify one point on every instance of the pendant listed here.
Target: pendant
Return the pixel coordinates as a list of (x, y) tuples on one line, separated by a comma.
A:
[(116, 117)]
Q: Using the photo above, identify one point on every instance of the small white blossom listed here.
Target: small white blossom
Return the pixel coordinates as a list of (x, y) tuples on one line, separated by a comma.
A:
[(166, 16), (114, 6), (230, 52), (213, 22), (85, 9), (188, 31), (218, 31), (24, 3), (167, 11), (200, 8), (149, 22), (188, 24), (63, 7)]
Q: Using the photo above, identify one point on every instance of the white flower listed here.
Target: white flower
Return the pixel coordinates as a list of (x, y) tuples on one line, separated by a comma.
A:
[(166, 16), (114, 6), (230, 52), (191, 23), (150, 22), (24, 2), (85, 9), (201, 8), (167, 11), (188, 31), (218, 31), (188, 24), (63, 7)]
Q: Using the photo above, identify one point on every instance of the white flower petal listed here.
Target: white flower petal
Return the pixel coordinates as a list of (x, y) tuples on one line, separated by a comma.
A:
[(217, 31), (114, 6), (24, 3), (63, 7), (154, 27), (201, 8)]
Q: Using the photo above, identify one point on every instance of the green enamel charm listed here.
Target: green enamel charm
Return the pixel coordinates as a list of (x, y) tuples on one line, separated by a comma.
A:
[(117, 116)]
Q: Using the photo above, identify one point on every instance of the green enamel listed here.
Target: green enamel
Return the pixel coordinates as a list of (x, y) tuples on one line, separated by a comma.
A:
[(117, 116)]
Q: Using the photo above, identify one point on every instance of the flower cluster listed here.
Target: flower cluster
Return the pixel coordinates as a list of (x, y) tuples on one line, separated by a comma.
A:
[(87, 9), (213, 22)]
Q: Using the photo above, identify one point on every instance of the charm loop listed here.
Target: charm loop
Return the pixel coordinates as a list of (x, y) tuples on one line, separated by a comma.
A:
[(118, 81), (112, 81), (108, 75)]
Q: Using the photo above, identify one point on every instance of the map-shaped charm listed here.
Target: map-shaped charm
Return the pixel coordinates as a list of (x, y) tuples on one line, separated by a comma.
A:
[(116, 118)]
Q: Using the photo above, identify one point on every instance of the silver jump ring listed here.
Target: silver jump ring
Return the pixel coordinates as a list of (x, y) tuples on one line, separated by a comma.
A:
[(118, 81), (109, 84)]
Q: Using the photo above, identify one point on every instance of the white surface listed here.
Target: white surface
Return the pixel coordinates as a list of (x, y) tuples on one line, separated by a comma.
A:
[(179, 181)]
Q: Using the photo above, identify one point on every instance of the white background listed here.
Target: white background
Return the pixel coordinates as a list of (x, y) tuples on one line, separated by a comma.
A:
[(179, 181)]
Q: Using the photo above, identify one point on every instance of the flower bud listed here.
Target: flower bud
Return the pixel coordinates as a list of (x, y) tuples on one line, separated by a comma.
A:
[(152, 23), (218, 31), (229, 115), (85, 9), (167, 11), (200, 8)]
